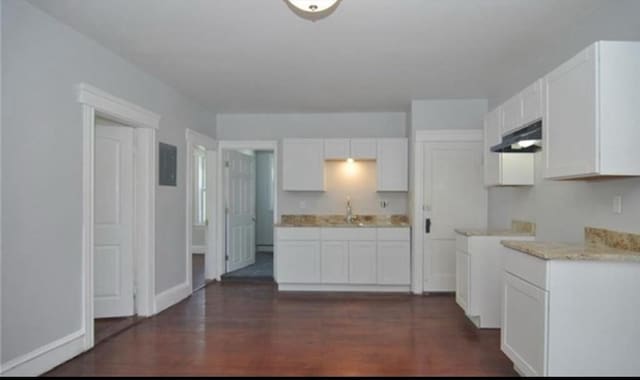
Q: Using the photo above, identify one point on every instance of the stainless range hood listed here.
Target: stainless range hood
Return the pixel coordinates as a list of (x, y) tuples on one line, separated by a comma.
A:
[(524, 140)]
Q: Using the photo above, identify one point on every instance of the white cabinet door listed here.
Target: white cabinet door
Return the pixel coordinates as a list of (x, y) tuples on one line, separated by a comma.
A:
[(336, 149), (364, 149), (462, 279), (511, 114), (492, 137), (516, 169), (362, 262), (524, 325), (298, 261), (335, 262), (570, 119), (392, 164), (394, 263), (303, 165), (532, 103)]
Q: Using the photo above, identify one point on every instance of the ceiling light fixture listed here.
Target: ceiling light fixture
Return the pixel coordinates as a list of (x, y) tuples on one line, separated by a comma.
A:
[(313, 9)]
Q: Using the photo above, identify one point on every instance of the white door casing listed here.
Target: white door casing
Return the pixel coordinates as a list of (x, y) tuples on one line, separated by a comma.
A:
[(454, 197), (113, 252), (241, 205)]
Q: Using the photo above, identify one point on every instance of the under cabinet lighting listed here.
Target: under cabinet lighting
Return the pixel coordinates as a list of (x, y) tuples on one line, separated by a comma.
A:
[(350, 160)]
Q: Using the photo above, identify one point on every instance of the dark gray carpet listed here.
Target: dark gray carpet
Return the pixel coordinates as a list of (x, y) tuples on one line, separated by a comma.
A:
[(261, 270)]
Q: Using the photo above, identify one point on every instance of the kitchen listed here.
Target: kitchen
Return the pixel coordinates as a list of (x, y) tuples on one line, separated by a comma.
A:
[(578, 122), (388, 187)]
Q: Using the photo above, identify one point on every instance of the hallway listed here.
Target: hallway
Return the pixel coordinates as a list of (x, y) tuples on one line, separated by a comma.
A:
[(238, 329)]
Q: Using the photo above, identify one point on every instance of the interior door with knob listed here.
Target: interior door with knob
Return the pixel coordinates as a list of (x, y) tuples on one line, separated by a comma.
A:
[(454, 197), (241, 208)]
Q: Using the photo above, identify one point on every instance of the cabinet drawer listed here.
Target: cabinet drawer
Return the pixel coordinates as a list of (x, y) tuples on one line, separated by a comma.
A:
[(300, 233), (527, 267), (393, 234), (462, 243), (348, 234)]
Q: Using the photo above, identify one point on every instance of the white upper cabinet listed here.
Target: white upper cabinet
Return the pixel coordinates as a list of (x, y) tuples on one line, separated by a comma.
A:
[(511, 114), (522, 109), (504, 169), (392, 165), (364, 149), (592, 113), (337, 149), (358, 149), (303, 165), (531, 98)]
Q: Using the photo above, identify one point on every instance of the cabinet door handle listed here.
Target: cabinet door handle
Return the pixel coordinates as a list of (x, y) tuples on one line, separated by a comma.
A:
[(427, 226)]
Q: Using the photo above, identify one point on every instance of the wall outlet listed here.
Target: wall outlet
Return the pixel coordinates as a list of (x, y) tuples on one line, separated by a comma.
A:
[(302, 205), (617, 204)]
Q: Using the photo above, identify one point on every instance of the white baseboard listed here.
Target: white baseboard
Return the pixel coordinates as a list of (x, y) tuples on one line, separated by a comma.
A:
[(198, 249), (344, 288), (47, 357), (172, 296)]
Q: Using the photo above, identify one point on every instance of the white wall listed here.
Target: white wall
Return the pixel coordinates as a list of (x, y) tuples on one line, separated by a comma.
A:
[(448, 114), (43, 60), (320, 125), (264, 198)]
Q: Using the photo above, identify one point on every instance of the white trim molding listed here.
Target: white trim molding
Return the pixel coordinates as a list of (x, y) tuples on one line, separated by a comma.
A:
[(172, 296), (417, 201), (145, 123), (196, 139), (198, 249), (46, 357), (116, 108), (267, 145)]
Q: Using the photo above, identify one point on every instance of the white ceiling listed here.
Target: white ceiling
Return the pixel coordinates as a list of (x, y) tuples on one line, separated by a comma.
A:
[(369, 55)]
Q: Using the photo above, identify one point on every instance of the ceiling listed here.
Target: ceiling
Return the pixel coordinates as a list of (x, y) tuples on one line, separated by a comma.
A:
[(369, 55)]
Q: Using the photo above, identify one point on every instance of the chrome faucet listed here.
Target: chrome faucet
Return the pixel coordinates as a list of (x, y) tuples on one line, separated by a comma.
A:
[(350, 217)]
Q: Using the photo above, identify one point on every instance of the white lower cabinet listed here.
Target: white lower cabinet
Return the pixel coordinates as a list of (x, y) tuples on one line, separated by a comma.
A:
[(479, 266), (462, 279), (570, 317), (362, 262), (343, 259), (299, 261), (335, 262), (524, 325), (394, 262)]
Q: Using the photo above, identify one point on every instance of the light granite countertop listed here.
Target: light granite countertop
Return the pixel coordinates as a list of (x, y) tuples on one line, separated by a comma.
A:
[(518, 228), (568, 251), (338, 221), (485, 232)]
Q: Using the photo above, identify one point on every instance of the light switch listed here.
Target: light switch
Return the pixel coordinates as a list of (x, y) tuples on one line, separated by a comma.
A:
[(617, 204)]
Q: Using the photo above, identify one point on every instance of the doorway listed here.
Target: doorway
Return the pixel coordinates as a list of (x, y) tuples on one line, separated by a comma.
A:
[(113, 270), (201, 232), (249, 197), (450, 194), (136, 209)]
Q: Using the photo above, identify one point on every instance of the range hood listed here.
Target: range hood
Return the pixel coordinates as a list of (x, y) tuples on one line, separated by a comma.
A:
[(524, 140)]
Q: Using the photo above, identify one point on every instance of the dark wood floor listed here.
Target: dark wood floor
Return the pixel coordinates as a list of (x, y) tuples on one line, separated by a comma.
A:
[(251, 329), (104, 328)]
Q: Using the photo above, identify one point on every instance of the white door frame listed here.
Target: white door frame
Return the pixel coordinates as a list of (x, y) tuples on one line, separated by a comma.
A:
[(440, 135), (144, 123), (198, 139), (270, 145)]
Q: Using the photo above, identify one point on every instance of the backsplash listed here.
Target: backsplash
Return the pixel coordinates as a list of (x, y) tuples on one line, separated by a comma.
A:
[(357, 181), (613, 239)]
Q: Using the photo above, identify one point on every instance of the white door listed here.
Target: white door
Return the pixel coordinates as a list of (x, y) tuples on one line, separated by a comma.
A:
[(454, 197), (113, 253), (241, 204)]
